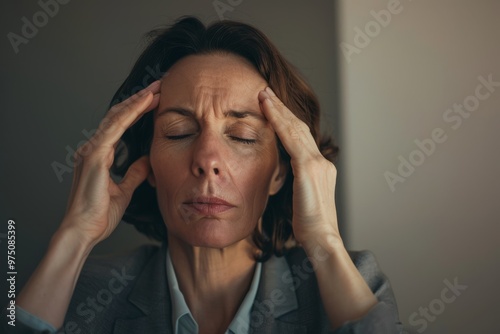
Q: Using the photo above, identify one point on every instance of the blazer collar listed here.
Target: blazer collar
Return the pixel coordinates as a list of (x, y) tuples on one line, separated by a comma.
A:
[(150, 295), (276, 281), (275, 298)]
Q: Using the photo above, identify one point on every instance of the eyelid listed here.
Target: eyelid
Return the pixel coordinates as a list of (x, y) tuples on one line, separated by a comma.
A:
[(243, 140), (178, 137), (177, 126), (237, 139), (240, 132), (241, 127)]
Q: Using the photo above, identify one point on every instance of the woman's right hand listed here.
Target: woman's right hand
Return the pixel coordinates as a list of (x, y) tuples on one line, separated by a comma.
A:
[(95, 207), (97, 203)]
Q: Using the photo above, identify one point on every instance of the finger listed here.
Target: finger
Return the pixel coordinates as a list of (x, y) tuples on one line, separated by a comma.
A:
[(136, 174), (154, 88), (124, 114), (292, 131), (154, 103), (75, 180), (78, 157), (302, 128)]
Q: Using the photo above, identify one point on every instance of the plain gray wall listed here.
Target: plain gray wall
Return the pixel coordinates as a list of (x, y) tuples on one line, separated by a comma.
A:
[(443, 221)]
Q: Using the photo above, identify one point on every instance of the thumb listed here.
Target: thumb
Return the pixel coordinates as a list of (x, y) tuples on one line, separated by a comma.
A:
[(136, 174)]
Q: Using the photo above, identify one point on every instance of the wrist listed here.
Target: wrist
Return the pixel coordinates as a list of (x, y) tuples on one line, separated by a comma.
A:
[(68, 238), (326, 241)]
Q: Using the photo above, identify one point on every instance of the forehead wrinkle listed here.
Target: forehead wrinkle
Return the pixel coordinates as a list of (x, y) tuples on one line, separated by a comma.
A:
[(209, 100), (221, 102), (216, 84)]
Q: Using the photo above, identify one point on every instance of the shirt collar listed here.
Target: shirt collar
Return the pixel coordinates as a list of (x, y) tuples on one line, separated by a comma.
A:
[(240, 322), (179, 306)]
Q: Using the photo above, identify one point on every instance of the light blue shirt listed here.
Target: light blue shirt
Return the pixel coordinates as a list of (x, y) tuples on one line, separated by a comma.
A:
[(33, 321), (183, 320)]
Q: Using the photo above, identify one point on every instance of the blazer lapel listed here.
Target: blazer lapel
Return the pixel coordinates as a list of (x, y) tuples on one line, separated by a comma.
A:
[(152, 297), (275, 298)]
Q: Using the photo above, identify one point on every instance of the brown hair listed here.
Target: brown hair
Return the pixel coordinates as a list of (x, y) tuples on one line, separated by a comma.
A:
[(188, 36)]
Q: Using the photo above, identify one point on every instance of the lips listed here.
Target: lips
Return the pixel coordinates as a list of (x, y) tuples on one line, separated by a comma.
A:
[(208, 205)]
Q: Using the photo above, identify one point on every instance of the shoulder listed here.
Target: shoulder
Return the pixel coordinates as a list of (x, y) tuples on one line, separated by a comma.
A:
[(113, 270), (306, 288), (102, 266), (103, 287)]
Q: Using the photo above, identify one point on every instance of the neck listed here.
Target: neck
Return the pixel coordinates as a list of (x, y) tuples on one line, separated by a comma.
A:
[(214, 281)]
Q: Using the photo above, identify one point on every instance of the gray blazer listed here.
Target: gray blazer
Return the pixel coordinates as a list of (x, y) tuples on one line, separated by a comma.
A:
[(129, 294)]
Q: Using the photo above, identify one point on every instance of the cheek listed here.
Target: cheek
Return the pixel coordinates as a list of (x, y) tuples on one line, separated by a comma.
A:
[(169, 169), (254, 175)]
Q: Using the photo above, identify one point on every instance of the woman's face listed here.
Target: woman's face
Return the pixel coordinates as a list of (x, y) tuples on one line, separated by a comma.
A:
[(212, 145)]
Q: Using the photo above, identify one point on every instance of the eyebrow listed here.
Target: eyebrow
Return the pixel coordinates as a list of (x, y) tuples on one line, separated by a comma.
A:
[(229, 113)]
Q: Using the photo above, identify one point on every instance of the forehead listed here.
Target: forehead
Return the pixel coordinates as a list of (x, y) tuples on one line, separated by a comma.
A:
[(213, 76)]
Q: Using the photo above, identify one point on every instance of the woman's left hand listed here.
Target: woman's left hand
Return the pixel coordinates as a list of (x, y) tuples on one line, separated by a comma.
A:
[(344, 292), (314, 212)]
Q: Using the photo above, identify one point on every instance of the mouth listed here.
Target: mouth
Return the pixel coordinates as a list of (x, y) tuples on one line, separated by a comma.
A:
[(207, 205)]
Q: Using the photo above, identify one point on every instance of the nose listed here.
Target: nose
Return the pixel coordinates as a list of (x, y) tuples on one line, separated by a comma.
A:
[(207, 156)]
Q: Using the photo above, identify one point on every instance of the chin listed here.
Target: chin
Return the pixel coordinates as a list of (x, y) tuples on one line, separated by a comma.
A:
[(214, 234)]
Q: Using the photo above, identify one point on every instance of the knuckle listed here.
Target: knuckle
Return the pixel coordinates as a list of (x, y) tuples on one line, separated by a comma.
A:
[(110, 122), (303, 126), (105, 123), (330, 167), (123, 105), (277, 102), (115, 108), (297, 124), (319, 164), (83, 150), (135, 169), (294, 134), (114, 119)]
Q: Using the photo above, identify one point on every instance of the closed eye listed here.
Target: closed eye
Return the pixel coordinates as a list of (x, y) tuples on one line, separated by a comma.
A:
[(237, 139), (178, 137), (243, 140)]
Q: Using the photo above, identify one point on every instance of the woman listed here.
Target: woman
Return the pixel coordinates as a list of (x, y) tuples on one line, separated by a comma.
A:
[(214, 158)]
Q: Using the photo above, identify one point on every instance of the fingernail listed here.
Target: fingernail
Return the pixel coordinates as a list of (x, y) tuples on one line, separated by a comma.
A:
[(266, 96), (270, 91), (155, 83), (144, 91)]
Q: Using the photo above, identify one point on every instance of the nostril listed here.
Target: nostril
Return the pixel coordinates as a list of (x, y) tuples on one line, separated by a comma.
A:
[(216, 171), (200, 170)]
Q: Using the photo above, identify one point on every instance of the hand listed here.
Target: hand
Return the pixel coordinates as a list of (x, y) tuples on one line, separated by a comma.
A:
[(344, 293), (314, 211), (96, 204)]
